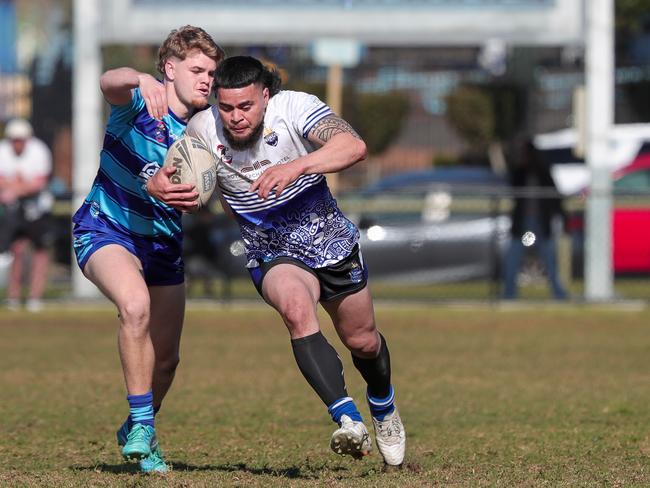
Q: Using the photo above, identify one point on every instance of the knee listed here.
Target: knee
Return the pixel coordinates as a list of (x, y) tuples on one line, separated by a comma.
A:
[(364, 342), (134, 314), (298, 318), (167, 364)]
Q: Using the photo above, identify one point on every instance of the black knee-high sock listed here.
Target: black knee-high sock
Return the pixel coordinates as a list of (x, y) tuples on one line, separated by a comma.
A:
[(376, 371), (321, 366)]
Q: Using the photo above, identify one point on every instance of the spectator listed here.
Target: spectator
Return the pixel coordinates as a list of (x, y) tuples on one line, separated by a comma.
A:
[(537, 213), (25, 167)]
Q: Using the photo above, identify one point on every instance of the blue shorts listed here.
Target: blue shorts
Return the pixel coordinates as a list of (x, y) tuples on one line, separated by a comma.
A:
[(162, 261)]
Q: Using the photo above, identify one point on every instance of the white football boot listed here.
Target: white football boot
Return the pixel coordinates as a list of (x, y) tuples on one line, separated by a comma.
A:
[(391, 438), (351, 438)]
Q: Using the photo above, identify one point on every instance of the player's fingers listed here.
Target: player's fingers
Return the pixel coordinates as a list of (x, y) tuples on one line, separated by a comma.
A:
[(183, 205), (188, 197), (265, 189), (280, 188), (168, 170), (181, 188), (160, 103), (149, 105)]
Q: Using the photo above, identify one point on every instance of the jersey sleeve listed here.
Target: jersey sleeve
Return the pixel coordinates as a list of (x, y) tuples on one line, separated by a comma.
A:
[(122, 114), (305, 111), (197, 127)]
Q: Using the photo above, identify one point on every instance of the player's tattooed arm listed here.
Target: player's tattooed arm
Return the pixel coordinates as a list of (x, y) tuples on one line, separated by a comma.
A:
[(330, 126)]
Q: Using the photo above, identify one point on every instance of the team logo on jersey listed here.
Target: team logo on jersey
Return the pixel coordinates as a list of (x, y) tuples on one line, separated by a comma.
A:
[(257, 165), (270, 136), (224, 153), (147, 171), (160, 134)]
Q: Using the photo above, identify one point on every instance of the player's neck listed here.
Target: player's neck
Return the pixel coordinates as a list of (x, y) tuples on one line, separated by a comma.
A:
[(182, 111)]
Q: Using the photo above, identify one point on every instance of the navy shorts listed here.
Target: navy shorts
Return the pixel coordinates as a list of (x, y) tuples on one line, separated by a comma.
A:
[(162, 262), (336, 281)]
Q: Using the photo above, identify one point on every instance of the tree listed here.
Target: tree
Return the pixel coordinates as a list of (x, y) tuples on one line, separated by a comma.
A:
[(486, 116)]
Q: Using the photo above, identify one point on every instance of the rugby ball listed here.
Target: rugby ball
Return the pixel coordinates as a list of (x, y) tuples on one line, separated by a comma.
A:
[(195, 165)]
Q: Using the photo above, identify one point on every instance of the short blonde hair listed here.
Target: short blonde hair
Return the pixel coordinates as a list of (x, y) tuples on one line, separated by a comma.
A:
[(180, 42)]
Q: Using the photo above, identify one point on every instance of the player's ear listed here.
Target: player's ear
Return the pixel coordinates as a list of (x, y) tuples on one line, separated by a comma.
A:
[(265, 94), (170, 69)]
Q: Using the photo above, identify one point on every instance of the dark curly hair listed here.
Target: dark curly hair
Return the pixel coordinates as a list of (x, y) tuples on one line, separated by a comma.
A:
[(241, 71)]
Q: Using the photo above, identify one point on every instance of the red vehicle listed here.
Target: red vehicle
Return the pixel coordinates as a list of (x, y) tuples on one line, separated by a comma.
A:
[(631, 216), (631, 191)]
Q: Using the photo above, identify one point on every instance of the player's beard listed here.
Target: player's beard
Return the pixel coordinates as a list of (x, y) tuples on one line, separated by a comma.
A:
[(247, 142), (199, 103)]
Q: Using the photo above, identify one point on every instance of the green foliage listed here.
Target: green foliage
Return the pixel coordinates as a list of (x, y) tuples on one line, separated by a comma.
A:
[(141, 58), (483, 114), (444, 159), (377, 117), (470, 112), (632, 15)]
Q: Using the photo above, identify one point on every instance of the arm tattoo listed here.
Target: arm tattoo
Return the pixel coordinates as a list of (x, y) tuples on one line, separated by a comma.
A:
[(330, 126)]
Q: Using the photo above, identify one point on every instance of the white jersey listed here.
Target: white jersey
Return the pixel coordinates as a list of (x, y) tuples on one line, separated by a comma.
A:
[(34, 162), (304, 222)]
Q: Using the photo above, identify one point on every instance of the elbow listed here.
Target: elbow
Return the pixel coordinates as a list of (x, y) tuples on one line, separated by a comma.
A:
[(360, 150), (103, 82)]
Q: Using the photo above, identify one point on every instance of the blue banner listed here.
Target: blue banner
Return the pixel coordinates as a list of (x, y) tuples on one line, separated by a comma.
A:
[(8, 63)]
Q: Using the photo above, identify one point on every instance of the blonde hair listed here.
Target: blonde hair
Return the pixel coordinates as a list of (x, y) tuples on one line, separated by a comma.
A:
[(180, 42)]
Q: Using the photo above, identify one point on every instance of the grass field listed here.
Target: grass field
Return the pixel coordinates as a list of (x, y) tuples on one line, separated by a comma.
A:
[(489, 397)]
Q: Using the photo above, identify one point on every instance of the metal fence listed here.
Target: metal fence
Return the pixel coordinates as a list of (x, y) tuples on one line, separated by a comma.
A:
[(445, 244)]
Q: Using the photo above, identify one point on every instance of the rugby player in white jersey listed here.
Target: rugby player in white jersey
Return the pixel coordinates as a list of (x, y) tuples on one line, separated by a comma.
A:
[(274, 147), (128, 244)]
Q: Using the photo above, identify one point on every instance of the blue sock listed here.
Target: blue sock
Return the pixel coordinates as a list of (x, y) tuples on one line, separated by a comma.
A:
[(344, 406), (129, 420), (380, 407), (141, 407)]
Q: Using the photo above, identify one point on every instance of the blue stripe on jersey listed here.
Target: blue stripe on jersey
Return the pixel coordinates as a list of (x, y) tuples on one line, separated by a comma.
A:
[(150, 208), (135, 146), (125, 155), (314, 117), (245, 202), (119, 176), (135, 223)]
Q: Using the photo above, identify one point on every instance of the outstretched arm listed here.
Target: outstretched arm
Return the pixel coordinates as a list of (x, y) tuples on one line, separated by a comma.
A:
[(116, 85), (340, 148)]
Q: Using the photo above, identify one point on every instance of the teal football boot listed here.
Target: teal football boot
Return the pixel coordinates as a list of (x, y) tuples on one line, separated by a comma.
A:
[(140, 442)]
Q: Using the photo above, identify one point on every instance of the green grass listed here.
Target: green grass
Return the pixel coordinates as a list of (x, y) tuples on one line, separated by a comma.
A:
[(489, 397)]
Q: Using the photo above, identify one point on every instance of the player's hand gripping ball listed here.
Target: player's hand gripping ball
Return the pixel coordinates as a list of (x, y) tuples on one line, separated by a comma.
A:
[(195, 165)]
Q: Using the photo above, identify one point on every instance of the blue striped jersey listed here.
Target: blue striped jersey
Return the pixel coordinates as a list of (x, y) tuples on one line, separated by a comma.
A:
[(135, 145), (304, 222)]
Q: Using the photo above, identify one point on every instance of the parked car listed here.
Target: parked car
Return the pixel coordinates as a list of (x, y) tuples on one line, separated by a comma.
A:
[(630, 165), (409, 231)]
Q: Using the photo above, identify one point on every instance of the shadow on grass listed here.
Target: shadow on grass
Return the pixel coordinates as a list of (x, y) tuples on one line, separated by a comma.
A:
[(291, 472), (110, 468)]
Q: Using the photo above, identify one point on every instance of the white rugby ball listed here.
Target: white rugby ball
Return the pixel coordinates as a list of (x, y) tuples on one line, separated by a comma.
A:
[(195, 165)]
